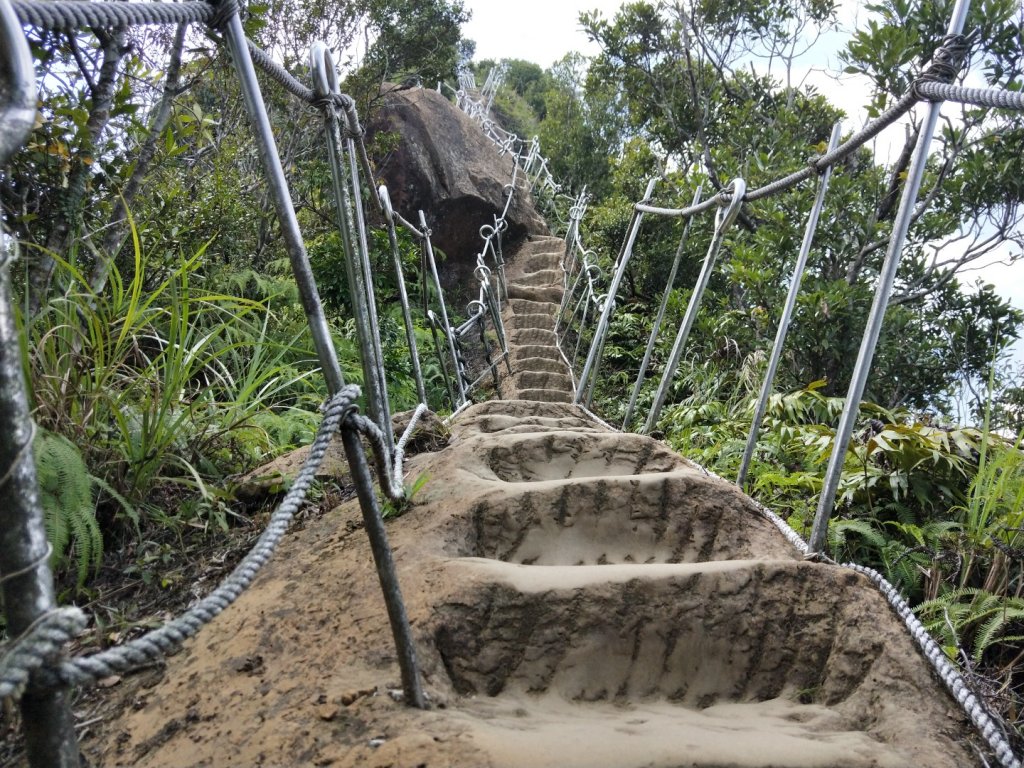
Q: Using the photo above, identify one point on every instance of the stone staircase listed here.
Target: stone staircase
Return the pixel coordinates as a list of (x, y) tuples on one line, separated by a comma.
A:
[(534, 290), (581, 598)]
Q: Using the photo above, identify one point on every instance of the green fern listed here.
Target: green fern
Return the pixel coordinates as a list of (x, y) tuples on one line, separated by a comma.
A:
[(66, 495), (974, 618)]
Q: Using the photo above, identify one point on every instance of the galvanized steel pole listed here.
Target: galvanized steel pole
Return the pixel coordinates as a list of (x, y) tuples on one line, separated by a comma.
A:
[(403, 294), (588, 377), (234, 36), (28, 591), (449, 334), (887, 277), (787, 314), (655, 330), (383, 404), (723, 220)]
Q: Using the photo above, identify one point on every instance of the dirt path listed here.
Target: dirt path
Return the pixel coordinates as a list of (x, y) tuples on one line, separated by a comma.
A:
[(580, 597)]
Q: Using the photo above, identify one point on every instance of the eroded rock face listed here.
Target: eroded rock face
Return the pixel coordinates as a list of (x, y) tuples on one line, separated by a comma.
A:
[(444, 165)]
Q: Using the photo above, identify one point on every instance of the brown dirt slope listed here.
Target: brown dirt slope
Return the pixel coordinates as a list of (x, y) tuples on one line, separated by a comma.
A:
[(580, 597)]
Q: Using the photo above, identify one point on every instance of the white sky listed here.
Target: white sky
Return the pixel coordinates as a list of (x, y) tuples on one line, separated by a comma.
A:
[(543, 31)]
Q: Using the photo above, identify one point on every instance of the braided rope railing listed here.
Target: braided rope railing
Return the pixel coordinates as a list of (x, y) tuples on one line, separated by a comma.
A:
[(70, 14), (37, 651), (339, 412), (997, 98), (986, 724)]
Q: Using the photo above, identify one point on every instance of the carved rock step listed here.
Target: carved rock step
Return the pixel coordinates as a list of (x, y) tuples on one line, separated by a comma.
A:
[(556, 382), (550, 293), (541, 277), (764, 663), (545, 321), (525, 352), (526, 307), (544, 395), (540, 245), (519, 417), (531, 337), (535, 262), (539, 364), (667, 518)]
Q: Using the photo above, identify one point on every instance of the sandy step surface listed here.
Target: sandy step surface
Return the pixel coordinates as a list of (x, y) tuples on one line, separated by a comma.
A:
[(540, 277), (549, 364), (525, 306), (534, 292), (579, 598), (531, 320)]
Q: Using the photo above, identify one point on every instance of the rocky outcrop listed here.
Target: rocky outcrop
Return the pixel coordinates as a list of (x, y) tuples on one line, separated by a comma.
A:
[(443, 165)]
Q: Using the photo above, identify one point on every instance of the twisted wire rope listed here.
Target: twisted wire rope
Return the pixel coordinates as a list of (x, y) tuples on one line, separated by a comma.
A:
[(279, 74), (70, 14)]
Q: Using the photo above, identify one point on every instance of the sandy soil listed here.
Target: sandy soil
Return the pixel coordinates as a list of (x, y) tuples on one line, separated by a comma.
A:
[(580, 598)]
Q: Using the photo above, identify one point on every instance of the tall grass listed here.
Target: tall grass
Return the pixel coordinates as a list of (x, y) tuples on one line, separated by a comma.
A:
[(161, 382)]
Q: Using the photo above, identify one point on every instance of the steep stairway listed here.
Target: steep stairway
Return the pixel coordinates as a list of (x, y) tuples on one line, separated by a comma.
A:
[(581, 598), (534, 290)]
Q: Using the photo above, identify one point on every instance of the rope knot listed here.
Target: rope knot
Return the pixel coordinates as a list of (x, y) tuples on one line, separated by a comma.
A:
[(342, 405), (223, 10), (947, 61), (38, 648)]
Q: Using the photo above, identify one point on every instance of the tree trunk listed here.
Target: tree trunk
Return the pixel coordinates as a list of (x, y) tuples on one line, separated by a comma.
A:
[(115, 234), (41, 268)]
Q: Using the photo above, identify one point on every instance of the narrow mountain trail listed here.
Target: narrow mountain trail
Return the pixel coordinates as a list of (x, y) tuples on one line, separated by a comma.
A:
[(580, 598)]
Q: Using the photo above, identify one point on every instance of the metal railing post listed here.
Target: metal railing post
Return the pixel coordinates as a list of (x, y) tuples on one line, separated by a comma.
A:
[(873, 330), (432, 264), (403, 294), (28, 591), (588, 377), (234, 37), (723, 220), (655, 330), (787, 313), (383, 416), (325, 86)]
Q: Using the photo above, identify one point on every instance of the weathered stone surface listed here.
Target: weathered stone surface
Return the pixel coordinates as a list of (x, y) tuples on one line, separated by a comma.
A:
[(444, 165)]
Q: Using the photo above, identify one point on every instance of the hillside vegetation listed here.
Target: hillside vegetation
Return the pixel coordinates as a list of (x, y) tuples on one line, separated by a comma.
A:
[(167, 353)]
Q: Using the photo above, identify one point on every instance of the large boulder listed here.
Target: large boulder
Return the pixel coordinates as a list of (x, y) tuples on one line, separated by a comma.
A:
[(443, 164)]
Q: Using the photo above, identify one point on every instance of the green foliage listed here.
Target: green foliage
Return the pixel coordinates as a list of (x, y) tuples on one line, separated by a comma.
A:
[(66, 494), (157, 379), (678, 78), (974, 620)]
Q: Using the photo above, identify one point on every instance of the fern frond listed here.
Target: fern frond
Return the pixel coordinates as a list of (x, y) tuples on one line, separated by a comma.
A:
[(65, 491)]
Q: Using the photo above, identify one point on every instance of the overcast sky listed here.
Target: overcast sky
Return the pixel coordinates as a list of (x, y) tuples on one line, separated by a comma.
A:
[(541, 31)]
